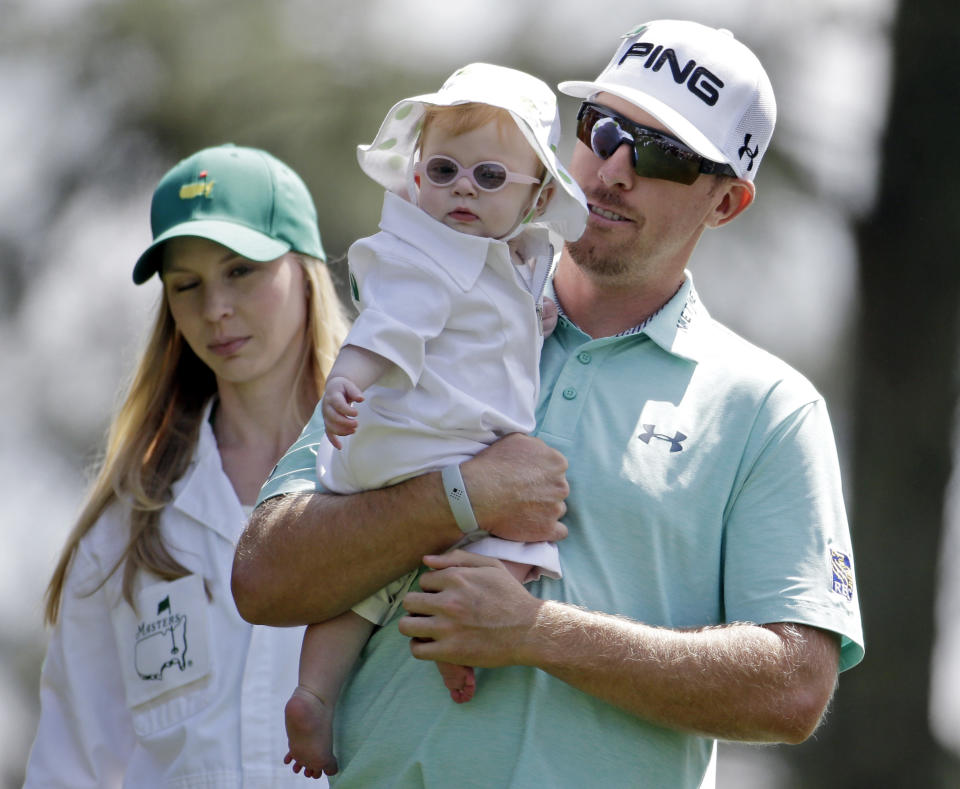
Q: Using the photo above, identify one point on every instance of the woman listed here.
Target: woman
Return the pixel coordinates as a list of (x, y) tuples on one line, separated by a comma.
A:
[(151, 677)]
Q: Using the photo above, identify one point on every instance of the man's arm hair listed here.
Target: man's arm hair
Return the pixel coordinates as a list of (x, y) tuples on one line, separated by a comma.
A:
[(740, 681), (307, 557)]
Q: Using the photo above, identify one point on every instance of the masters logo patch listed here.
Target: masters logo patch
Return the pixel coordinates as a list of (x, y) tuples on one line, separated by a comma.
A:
[(200, 188), (164, 639)]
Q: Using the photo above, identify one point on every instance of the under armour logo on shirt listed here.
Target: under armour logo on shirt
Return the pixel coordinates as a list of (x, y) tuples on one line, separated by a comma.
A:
[(676, 440)]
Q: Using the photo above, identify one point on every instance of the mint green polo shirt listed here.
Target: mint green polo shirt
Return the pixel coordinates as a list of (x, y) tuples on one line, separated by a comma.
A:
[(704, 489)]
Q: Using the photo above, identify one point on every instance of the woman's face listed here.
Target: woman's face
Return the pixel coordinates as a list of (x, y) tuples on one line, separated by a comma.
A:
[(244, 319)]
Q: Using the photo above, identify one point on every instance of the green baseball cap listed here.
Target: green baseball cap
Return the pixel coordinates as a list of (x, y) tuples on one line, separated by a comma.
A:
[(242, 198)]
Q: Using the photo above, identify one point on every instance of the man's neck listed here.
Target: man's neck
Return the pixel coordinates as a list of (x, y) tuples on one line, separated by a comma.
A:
[(605, 307)]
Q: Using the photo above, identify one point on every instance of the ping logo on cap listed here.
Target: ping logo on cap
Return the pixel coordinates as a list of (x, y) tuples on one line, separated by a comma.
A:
[(197, 188), (700, 81)]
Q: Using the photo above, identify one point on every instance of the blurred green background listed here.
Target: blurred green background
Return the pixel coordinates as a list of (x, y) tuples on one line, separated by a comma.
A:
[(844, 267)]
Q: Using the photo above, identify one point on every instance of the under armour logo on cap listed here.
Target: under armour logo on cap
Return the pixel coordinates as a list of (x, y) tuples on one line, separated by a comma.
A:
[(745, 151)]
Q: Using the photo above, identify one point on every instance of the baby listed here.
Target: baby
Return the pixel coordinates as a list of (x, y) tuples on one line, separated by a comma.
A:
[(443, 357)]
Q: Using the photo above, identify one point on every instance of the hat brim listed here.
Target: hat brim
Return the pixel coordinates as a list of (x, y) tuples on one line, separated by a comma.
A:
[(243, 240), (566, 213), (669, 117)]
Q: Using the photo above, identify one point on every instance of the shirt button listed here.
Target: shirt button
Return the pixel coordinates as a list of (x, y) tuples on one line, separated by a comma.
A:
[(584, 357), (569, 393)]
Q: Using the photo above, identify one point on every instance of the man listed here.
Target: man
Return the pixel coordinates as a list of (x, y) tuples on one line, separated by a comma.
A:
[(708, 587)]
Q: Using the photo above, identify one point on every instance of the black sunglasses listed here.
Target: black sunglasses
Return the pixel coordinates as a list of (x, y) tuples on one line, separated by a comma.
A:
[(655, 153)]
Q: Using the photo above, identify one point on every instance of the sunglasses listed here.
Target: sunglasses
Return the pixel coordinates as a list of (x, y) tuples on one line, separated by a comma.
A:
[(655, 153), (487, 176)]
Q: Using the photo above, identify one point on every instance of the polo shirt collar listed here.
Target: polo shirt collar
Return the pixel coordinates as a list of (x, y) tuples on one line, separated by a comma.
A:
[(679, 326), (461, 255)]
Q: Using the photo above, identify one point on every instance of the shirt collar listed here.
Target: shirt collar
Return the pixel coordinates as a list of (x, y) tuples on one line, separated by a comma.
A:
[(204, 492), (677, 327), (461, 255)]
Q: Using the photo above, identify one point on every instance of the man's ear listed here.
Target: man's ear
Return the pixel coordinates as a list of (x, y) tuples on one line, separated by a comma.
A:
[(733, 199), (544, 198)]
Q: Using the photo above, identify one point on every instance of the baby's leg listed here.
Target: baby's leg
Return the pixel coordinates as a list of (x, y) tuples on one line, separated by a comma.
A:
[(461, 680), (329, 651)]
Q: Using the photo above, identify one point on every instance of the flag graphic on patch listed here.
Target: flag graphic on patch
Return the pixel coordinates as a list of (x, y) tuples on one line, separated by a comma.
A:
[(842, 574)]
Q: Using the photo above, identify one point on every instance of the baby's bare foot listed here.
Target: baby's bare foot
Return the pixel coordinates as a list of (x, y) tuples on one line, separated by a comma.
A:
[(460, 681), (309, 721)]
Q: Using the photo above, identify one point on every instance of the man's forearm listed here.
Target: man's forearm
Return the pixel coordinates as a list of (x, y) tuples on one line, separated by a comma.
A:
[(305, 558), (737, 682)]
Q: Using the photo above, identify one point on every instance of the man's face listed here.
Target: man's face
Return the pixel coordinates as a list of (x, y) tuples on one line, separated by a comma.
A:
[(636, 225)]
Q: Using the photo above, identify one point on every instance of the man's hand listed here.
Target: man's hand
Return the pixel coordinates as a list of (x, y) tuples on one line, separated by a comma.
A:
[(471, 611), (517, 487)]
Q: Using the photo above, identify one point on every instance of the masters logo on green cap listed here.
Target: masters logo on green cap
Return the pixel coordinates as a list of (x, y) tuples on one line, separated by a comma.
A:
[(242, 198)]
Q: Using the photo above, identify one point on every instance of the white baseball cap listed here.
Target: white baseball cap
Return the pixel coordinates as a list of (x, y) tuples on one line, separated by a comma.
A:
[(706, 87), (389, 159)]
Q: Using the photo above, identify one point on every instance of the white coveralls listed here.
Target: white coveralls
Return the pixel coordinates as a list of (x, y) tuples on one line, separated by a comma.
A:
[(181, 693)]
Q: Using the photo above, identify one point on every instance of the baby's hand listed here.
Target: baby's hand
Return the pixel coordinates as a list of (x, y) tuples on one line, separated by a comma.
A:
[(339, 415), (549, 316)]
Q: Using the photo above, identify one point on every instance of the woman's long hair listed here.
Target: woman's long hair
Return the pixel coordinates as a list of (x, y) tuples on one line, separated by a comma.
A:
[(153, 434)]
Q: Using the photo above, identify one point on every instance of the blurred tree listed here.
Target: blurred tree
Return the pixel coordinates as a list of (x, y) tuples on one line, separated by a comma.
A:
[(165, 79), (905, 395)]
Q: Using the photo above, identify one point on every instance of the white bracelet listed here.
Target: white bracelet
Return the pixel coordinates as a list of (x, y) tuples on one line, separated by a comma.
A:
[(459, 501)]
